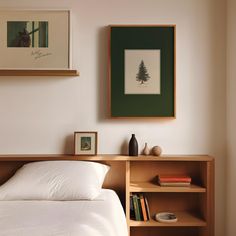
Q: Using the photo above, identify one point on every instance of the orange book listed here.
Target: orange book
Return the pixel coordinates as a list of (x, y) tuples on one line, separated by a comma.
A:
[(145, 218)]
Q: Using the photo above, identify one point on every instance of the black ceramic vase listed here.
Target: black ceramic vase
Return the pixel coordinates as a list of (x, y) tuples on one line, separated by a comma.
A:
[(133, 146)]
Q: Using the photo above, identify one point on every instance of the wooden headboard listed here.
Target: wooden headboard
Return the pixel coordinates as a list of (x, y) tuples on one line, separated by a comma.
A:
[(115, 178)]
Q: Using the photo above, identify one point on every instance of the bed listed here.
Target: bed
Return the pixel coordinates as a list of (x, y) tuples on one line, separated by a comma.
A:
[(102, 215)]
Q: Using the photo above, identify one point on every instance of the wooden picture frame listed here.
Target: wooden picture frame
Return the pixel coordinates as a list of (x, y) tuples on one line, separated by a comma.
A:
[(40, 37), (85, 143), (142, 73)]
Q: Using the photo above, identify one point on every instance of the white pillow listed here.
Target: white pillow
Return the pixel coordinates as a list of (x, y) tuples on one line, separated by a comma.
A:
[(55, 180)]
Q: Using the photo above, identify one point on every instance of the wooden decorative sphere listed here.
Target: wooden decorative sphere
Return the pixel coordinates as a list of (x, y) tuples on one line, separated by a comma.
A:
[(156, 151)]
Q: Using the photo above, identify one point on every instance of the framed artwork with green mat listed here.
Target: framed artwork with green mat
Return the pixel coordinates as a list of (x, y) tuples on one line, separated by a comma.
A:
[(142, 71)]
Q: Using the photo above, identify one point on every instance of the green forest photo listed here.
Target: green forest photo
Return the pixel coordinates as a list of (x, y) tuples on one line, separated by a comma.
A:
[(85, 143), (32, 34)]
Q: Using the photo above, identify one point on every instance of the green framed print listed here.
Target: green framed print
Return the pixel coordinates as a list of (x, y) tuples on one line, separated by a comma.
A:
[(85, 143), (142, 71)]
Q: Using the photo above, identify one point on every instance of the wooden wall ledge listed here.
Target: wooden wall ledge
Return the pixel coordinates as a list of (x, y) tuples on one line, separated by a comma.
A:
[(102, 157), (39, 73)]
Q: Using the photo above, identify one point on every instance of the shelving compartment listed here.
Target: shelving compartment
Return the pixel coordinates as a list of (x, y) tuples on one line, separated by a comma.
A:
[(186, 206), (143, 175)]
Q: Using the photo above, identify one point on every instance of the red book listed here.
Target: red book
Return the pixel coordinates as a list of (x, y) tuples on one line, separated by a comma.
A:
[(174, 184), (174, 178)]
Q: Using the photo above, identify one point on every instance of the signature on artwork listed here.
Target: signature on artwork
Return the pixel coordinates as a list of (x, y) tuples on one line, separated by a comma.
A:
[(39, 54)]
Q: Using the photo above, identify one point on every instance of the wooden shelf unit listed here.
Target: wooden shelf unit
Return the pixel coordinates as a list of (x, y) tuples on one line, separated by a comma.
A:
[(193, 206)]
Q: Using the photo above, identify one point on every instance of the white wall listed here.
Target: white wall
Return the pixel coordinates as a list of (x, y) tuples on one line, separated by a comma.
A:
[(39, 115), (231, 118)]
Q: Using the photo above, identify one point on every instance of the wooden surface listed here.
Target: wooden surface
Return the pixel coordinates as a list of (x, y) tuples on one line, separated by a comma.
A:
[(102, 157), (151, 187), (127, 195), (185, 219), (165, 231), (39, 73)]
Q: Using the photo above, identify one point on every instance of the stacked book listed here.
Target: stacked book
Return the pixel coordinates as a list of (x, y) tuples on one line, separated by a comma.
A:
[(174, 180), (139, 209)]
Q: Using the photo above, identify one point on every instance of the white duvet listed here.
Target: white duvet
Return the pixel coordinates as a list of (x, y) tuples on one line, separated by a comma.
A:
[(101, 217)]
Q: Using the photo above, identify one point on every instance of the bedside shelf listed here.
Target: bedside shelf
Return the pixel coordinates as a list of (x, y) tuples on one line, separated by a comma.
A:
[(185, 219), (193, 205), (150, 187), (39, 73)]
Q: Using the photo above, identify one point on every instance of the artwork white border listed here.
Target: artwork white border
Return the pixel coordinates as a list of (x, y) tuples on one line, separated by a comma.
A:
[(77, 143), (152, 62), (56, 57)]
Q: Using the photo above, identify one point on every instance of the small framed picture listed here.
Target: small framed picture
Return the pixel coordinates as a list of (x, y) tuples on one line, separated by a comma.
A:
[(85, 143)]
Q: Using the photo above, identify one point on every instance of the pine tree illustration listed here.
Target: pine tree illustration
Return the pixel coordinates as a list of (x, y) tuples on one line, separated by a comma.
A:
[(142, 75)]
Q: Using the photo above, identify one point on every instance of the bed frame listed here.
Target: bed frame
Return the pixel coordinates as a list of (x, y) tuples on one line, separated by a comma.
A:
[(194, 205)]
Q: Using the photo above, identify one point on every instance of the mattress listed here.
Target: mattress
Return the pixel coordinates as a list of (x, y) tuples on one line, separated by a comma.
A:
[(103, 216)]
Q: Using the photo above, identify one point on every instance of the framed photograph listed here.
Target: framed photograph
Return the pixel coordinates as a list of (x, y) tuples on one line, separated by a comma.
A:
[(85, 143), (142, 71), (35, 39)]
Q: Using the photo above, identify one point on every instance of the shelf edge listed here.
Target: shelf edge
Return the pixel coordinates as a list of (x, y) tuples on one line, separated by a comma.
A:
[(39, 73)]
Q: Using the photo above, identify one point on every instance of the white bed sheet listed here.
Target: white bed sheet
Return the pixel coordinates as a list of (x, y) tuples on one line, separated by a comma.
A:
[(103, 216)]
